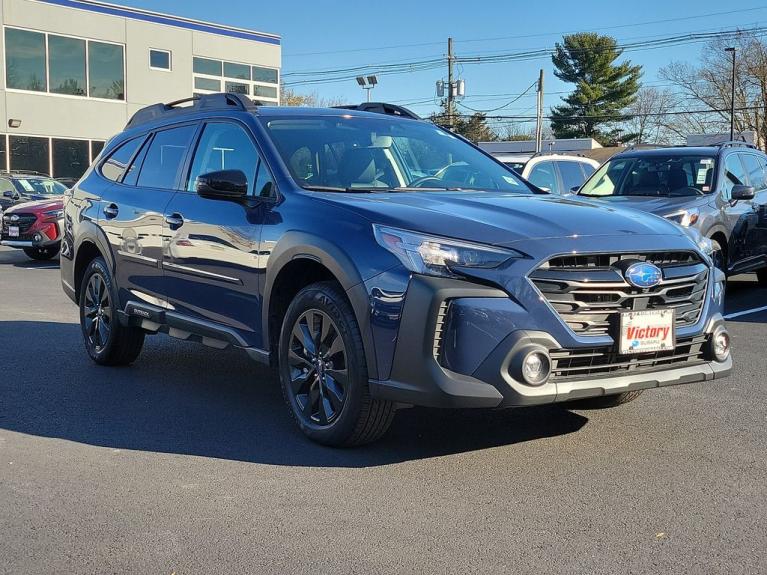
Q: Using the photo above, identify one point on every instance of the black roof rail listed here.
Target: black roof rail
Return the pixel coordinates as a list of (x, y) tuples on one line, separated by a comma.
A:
[(219, 101), (382, 108), (734, 144), (550, 153)]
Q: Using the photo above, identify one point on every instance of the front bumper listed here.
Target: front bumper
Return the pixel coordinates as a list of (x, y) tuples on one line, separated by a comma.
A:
[(491, 332), (35, 237)]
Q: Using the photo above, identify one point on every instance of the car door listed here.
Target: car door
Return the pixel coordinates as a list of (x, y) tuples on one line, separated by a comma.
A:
[(756, 235), (544, 175), (132, 209), (211, 263), (738, 214)]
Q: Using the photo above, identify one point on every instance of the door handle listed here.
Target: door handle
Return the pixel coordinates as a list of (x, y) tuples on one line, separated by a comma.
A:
[(111, 211), (174, 221)]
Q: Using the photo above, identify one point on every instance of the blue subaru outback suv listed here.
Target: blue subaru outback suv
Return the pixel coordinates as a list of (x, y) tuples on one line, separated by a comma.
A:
[(378, 261)]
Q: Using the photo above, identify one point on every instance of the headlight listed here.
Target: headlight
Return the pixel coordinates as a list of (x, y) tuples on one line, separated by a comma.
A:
[(435, 256), (685, 218), (58, 214)]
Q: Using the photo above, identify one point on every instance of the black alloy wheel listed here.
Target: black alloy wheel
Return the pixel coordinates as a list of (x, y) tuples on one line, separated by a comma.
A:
[(319, 379), (97, 313)]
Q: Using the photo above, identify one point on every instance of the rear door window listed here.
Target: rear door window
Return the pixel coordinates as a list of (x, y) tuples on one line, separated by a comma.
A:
[(734, 174), (572, 175), (165, 157), (544, 175)]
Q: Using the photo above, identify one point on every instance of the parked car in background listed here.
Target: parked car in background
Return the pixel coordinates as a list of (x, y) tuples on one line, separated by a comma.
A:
[(720, 191), (378, 261), (35, 227), (514, 161), (558, 173), (20, 186)]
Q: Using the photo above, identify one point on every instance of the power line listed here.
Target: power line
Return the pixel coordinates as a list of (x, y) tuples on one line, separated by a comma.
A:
[(509, 103)]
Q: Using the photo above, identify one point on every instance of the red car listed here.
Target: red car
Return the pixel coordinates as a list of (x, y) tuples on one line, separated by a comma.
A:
[(35, 227)]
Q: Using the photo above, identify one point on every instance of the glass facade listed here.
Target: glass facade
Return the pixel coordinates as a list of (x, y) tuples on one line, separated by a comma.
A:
[(58, 157), (70, 158), (209, 75), (29, 153), (40, 62)]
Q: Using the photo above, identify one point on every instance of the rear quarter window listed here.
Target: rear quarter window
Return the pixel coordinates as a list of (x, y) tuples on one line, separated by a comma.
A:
[(116, 164)]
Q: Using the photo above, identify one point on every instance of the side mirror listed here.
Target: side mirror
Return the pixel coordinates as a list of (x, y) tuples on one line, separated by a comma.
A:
[(222, 184), (9, 194), (575, 189), (740, 192)]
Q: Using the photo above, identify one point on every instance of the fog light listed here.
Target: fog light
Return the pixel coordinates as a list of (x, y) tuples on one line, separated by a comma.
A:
[(536, 368), (38, 237), (720, 345)]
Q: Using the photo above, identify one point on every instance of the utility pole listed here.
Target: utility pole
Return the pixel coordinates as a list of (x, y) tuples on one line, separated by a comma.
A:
[(732, 100), (539, 115), (450, 92)]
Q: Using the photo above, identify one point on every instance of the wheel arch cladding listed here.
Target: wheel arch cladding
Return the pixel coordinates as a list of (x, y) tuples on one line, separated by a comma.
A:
[(294, 265), (86, 253)]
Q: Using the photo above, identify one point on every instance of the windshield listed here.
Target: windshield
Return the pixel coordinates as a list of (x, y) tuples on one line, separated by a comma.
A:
[(351, 153), (42, 186), (652, 176)]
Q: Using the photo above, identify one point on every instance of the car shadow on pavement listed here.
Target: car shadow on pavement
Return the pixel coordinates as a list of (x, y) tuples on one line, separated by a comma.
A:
[(186, 399)]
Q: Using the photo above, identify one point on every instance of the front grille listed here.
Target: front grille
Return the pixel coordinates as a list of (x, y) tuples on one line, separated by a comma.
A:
[(573, 364), (589, 291), (24, 222)]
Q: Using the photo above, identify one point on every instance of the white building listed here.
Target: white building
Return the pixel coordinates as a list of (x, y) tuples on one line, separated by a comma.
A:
[(74, 71)]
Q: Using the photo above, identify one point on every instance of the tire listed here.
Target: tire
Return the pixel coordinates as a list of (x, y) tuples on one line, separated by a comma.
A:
[(325, 386), (106, 340), (606, 401), (761, 275), (42, 254)]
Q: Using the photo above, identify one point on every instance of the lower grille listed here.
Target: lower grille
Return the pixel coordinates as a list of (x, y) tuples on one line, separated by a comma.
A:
[(438, 331), (583, 363), (590, 292)]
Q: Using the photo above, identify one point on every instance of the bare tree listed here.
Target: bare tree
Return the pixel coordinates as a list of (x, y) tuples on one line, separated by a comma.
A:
[(289, 97), (708, 86), (647, 117)]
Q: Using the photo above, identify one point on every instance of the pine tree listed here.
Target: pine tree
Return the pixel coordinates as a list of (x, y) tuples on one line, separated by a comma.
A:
[(603, 89)]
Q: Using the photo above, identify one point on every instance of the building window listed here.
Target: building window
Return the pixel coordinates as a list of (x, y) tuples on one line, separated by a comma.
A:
[(159, 59), (66, 65), (70, 158), (207, 67), (265, 91), (267, 75), (3, 154), (237, 88), (106, 74), (208, 76), (29, 154), (39, 62), (25, 60), (96, 147)]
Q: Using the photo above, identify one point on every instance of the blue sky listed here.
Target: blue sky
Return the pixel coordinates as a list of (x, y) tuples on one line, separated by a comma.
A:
[(323, 35)]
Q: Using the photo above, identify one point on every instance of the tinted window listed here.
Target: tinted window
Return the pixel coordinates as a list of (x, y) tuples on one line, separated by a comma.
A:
[(70, 158), (115, 165), (264, 184), (159, 59), (240, 71), (6, 186), (265, 91), (572, 175), (29, 154), (237, 88), (588, 169), (206, 66), (224, 146), (25, 60), (3, 154), (755, 171), (207, 84), (96, 147), (734, 174), (264, 75), (164, 157), (544, 175), (66, 65), (106, 71)]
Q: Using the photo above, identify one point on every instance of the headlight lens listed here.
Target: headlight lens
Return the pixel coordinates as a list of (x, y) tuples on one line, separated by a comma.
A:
[(685, 218), (435, 256), (54, 214)]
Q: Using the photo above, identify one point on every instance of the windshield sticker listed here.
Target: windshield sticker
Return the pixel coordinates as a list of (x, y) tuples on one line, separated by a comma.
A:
[(705, 189), (702, 173), (26, 185), (510, 180), (706, 161)]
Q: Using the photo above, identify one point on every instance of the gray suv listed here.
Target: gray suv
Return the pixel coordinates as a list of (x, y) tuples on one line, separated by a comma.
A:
[(720, 191)]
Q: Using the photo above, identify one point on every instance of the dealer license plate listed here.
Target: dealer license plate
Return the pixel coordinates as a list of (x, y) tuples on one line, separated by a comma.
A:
[(13, 231), (646, 331)]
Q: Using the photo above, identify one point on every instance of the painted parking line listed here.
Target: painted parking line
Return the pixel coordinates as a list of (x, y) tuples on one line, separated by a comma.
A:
[(745, 312)]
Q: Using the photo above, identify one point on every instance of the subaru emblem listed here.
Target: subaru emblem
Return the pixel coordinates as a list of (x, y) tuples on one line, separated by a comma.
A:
[(14, 218), (643, 275)]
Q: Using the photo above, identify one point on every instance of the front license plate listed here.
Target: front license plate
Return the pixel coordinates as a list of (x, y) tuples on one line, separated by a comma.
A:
[(13, 231), (646, 331)]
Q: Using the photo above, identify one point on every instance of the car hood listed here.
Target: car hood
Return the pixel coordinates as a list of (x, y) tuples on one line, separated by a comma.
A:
[(500, 218), (51, 203), (661, 206)]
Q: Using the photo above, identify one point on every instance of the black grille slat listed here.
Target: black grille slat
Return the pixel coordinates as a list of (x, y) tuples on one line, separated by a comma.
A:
[(573, 364), (588, 291)]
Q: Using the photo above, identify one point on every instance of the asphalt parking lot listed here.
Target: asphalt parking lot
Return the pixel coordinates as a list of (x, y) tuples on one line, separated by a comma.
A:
[(188, 462)]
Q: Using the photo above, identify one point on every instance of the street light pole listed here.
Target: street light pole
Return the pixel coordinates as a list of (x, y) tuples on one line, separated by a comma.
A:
[(731, 50)]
